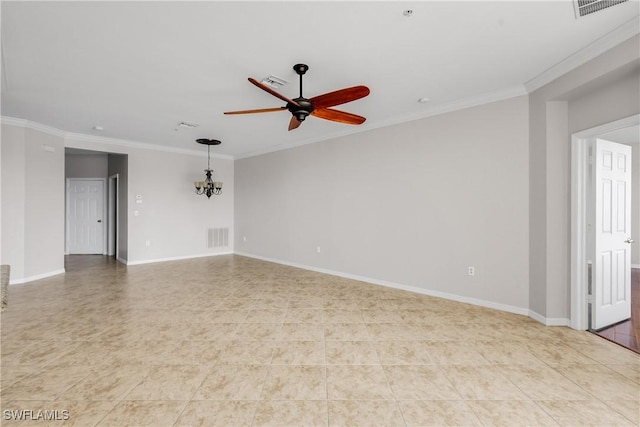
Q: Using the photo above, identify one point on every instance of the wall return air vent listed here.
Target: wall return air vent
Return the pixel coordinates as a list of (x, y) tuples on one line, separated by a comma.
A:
[(587, 7)]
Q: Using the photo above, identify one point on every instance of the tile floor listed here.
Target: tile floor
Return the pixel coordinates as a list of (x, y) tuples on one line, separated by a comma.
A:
[(235, 341)]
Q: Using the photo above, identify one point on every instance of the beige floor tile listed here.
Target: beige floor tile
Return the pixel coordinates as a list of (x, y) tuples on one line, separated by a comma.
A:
[(364, 413), (303, 315), (509, 413), (629, 371), (265, 315), (223, 413), (195, 353), (278, 413), (342, 316), (246, 353), (346, 332), (601, 382), (211, 332), (46, 384), (561, 355), (295, 383), (233, 382), (420, 383), (583, 412), (12, 374), (143, 413), (396, 332), (605, 352), (301, 332), (500, 352), (298, 353), (630, 408), (482, 383), (178, 382), (543, 383), (258, 331), (228, 316), (357, 382), (403, 352), (381, 316), (456, 353), (107, 384), (437, 413), (351, 353)]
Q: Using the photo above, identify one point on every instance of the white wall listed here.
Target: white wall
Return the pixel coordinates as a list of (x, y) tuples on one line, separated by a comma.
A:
[(32, 203), (86, 165), (412, 204), (13, 198), (602, 90)]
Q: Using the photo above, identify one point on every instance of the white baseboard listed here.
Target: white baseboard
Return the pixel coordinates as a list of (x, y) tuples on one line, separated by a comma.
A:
[(444, 295), (150, 261), (121, 260), (549, 321), (635, 265), (36, 277)]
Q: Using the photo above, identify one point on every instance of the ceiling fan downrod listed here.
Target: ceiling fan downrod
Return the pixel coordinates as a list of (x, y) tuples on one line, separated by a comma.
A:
[(304, 107)]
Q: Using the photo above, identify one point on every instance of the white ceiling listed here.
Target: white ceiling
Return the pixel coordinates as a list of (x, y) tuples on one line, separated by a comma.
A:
[(139, 68)]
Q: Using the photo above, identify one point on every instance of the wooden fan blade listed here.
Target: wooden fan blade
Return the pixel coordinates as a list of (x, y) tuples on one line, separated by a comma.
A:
[(338, 116), (339, 96), (272, 92), (261, 110), (294, 123)]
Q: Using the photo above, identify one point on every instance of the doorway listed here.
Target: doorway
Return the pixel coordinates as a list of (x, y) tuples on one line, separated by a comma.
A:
[(583, 276)]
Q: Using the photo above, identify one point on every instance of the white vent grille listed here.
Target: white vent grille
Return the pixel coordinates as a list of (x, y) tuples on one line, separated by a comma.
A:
[(586, 7), (218, 237)]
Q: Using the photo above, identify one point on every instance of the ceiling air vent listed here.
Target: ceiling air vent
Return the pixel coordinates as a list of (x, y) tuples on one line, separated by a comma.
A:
[(274, 82), (587, 7)]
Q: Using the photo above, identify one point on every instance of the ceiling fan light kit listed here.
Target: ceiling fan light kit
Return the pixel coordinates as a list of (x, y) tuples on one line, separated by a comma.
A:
[(208, 187), (318, 106)]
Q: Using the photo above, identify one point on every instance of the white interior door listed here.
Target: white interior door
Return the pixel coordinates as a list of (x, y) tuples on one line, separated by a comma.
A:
[(611, 275), (85, 211)]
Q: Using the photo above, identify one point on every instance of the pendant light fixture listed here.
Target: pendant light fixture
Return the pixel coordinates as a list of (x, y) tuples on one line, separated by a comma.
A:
[(208, 186)]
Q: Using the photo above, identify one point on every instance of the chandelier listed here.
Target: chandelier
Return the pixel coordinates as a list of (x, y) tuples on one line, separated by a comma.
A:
[(208, 186)]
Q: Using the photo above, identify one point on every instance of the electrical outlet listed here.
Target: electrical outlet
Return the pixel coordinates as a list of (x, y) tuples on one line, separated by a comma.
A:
[(244, 238), (148, 243), (472, 271), (318, 249)]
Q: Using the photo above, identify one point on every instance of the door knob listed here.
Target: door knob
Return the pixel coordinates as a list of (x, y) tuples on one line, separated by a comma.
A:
[(99, 220), (629, 240)]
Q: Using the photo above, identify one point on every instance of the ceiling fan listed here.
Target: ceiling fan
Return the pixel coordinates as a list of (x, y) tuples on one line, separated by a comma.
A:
[(317, 106)]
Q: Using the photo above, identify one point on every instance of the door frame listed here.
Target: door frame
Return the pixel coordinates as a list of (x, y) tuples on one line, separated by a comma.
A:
[(580, 144), (104, 211), (113, 212)]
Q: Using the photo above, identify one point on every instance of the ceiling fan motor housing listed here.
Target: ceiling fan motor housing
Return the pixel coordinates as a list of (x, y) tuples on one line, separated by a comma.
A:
[(302, 110)]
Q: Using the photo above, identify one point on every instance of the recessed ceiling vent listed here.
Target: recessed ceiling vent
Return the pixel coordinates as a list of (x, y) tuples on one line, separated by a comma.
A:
[(587, 7), (274, 82)]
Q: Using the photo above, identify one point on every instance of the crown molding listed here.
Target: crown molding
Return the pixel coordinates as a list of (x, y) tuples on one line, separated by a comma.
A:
[(608, 41), (115, 142), (28, 124), (80, 137)]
